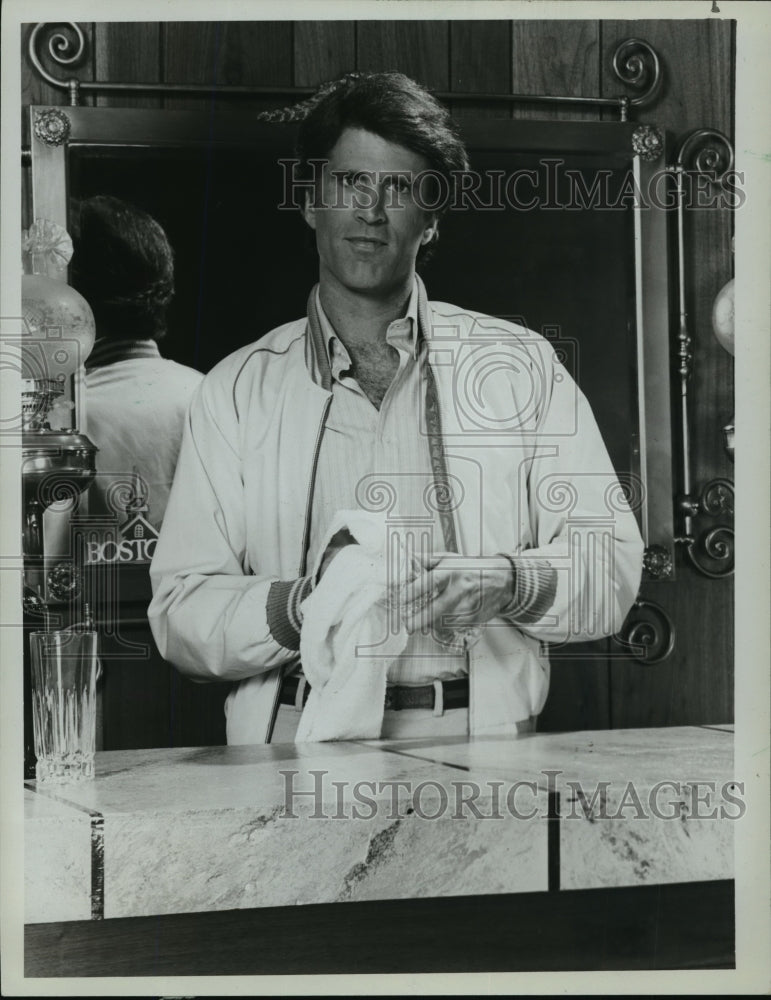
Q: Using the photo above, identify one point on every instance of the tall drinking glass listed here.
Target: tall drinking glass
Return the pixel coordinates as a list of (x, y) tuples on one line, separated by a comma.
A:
[(64, 705)]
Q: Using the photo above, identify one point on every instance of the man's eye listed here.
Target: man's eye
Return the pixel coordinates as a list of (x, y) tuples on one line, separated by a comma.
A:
[(352, 180), (400, 184)]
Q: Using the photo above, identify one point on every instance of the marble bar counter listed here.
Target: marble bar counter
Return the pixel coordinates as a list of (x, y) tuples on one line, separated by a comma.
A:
[(189, 831)]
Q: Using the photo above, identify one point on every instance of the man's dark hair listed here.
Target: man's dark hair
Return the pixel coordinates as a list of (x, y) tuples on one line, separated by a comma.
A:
[(123, 265), (391, 106)]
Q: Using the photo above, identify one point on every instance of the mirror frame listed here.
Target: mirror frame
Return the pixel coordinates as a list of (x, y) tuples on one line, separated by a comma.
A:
[(619, 141)]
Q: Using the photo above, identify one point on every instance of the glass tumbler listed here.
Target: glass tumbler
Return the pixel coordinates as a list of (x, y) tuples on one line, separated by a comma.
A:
[(64, 667)]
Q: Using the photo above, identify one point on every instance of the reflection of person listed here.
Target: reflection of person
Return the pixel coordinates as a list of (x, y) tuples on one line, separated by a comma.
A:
[(379, 385), (136, 401)]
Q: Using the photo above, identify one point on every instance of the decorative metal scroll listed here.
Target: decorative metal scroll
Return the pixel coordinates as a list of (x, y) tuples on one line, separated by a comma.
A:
[(648, 632), (707, 152), (635, 64)]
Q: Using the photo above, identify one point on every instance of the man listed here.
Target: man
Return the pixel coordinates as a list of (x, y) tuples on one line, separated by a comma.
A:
[(136, 400), (468, 423)]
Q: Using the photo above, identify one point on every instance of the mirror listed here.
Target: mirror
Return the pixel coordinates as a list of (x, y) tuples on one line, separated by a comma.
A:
[(568, 248)]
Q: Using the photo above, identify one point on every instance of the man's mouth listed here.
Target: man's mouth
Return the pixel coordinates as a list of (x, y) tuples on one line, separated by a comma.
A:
[(368, 243)]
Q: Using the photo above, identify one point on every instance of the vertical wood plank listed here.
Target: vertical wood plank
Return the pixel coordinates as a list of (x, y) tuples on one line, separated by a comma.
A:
[(323, 50), (555, 57), (419, 49), (480, 61), (127, 52), (695, 685), (228, 53)]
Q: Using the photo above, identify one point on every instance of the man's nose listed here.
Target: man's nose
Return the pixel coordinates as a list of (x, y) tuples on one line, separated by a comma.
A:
[(370, 207)]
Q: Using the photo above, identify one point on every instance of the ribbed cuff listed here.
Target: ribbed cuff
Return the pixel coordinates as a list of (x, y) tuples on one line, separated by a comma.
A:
[(283, 610), (535, 588)]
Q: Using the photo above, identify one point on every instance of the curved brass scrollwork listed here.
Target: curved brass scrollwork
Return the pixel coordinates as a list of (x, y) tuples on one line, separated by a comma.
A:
[(706, 151), (59, 46), (637, 65), (648, 632)]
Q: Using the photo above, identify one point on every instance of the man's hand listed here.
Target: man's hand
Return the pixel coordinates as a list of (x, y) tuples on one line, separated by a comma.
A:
[(337, 542), (457, 592)]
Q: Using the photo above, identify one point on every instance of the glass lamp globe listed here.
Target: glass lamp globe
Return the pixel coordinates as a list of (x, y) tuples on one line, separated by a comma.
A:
[(723, 316), (59, 329)]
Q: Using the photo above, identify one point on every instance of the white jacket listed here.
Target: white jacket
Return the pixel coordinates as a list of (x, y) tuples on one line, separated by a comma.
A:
[(521, 445)]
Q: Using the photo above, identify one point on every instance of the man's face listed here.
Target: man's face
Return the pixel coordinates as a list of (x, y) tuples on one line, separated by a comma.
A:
[(368, 227)]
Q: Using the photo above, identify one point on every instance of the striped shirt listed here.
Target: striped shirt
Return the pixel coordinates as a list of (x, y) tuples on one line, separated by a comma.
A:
[(379, 459)]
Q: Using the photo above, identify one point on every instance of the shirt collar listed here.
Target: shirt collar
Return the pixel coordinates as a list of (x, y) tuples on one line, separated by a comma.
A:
[(107, 351), (402, 333)]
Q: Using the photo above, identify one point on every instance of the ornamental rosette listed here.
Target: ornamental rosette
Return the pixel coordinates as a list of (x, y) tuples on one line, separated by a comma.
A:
[(52, 127), (657, 562), (648, 142)]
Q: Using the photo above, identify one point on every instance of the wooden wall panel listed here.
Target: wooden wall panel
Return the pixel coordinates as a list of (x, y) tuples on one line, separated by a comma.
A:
[(417, 48), (695, 685), (555, 57), (228, 53), (128, 52), (323, 50), (480, 61)]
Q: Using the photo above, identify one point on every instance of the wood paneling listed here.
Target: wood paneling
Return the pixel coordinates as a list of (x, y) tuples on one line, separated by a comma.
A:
[(417, 48), (695, 685), (323, 50), (555, 57), (128, 52), (228, 53), (480, 61)]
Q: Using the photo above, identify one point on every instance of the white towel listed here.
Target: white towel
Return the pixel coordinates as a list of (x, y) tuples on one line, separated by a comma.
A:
[(348, 639)]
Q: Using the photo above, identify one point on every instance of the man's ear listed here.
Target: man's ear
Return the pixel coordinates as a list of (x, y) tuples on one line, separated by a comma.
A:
[(430, 231), (309, 209)]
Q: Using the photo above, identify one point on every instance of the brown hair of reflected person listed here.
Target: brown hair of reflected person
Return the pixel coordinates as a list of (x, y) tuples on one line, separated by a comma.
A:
[(123, 265)]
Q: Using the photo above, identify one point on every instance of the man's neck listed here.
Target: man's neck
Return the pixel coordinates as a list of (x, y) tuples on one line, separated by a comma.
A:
[(361, 320)]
